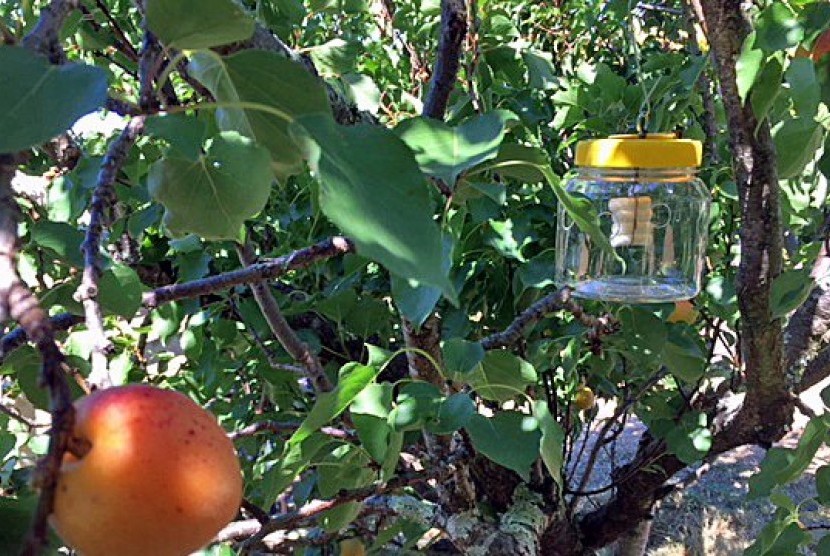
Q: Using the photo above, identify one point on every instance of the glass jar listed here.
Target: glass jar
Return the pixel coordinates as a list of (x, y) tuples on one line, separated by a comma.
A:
[(652, 209)]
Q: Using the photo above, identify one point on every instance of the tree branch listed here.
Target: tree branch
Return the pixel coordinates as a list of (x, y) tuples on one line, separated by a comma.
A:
[(266, 270), (289, 340), (280, 427), (556, 301), (102, 200), (448, 59), (45, 37), (754, 162), (18, 303)]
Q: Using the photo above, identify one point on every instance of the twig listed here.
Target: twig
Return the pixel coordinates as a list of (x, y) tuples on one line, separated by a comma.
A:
[(121, 107), (148, 69), (128, 49), (266, 270), (448, 59), (556, 301), (289, 340), (419, 72), (292, 520), (17, 337), (259, 514), (18, 302), (102, 200), (314, 508), (16, 416), (278, 427)]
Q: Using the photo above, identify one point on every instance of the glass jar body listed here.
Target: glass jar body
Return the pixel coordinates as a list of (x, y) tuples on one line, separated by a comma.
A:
[(656, 221)]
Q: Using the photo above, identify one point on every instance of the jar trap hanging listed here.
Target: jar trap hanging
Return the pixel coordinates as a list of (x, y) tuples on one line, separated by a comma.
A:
[(652, 208)]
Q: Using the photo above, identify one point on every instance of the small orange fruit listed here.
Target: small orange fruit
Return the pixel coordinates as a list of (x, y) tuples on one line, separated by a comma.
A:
[(684, 311), (585, 398), (161, 477)]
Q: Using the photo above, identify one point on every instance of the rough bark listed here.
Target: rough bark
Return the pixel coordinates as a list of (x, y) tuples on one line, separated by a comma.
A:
[(754, 163)]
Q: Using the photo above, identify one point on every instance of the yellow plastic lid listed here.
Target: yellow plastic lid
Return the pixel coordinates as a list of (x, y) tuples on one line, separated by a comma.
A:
[(655, 150)]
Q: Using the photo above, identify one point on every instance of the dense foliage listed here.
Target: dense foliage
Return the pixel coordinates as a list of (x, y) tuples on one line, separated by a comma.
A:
[(243, 147)]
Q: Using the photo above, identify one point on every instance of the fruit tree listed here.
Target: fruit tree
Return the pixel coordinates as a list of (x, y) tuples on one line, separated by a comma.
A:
[(324, 231)]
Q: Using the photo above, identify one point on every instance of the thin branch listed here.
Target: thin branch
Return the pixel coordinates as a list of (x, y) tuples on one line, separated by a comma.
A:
[(103, 199), (448, 59), (266, 270), (283, 332), (122, 107), (556, 301), (18, 303), (17, 337), (292, 520), (817, 369), (16, 416), (128, 49), (281, 427)]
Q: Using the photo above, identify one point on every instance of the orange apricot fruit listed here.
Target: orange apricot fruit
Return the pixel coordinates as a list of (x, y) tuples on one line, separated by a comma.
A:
[(160, 476)]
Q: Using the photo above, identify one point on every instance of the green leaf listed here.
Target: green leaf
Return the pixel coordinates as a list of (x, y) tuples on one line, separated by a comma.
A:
[(796, 142), (553, 439), (344, 468), (416, 404), (581, 211), (501, 376), (40, 101), (262, 80), (184, 132), (339, 517), (193, 24), (763, 482), (539, 271), (306, 442), (375, 400), (119, 291), (643, 334), (767, 89), (814, 435), (777, 28), (690, 439), (520, 162), (336, 57), (461, 356), (748, 66), (783, 536), (417, 302), (60, 238), (453, 413), (353, 379), (823, 484), (541, 72), (804, 87), (444, 152), (371, 188), (509, 438), (15, 515), (373, 433), (683, 355), (213, 195), (789, 290), (295, 458), (783, 465)]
